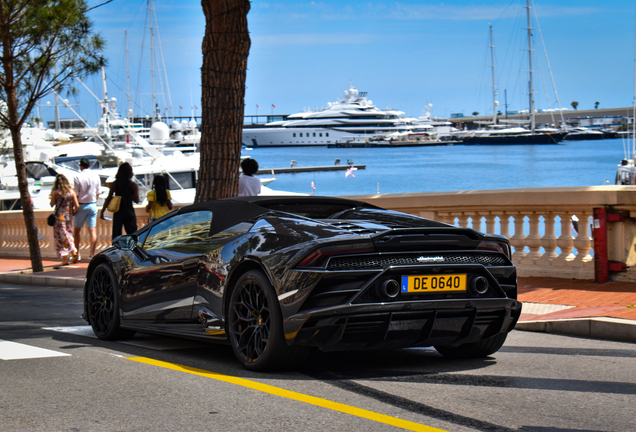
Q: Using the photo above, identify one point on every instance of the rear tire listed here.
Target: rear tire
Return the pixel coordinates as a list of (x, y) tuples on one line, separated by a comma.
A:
[(103, 305), (255, 324), (483, 348)]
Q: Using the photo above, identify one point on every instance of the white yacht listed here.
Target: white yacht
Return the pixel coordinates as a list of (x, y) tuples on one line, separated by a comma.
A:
[(184, 135), (181, 170), (353, 118), (40, 179)]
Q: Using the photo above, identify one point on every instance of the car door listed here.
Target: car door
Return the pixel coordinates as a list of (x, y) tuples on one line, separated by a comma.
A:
[(162, 287)]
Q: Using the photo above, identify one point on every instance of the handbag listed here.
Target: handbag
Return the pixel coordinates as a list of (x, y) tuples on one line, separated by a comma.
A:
[(50, 221), (113, 206)]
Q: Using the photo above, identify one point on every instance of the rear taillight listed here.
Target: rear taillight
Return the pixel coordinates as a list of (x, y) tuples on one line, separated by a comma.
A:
[(494, 246), (320, 255)]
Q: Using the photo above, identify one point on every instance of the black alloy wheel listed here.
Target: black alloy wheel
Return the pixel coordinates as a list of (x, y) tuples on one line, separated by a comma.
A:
[(482, 348), (103, 305), (255, 323)]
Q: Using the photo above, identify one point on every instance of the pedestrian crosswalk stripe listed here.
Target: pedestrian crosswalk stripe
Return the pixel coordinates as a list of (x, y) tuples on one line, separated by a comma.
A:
[(17, 351)]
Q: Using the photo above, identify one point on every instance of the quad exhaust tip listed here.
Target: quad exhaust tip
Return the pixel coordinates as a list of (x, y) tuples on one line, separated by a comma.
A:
[(389, 288), (479, 285)]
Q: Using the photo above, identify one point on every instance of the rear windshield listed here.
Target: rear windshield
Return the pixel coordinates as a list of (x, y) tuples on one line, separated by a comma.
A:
[(310, 210)]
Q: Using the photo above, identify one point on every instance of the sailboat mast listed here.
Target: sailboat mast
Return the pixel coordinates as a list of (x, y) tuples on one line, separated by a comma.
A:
[(494, 88), (152, 63), (106, 111), (104, 89), (530, 90), (57, 105), (190, 85), (129, 105)]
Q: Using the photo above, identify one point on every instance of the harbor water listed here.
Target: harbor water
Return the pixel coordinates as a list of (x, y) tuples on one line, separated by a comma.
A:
[(445, 168)]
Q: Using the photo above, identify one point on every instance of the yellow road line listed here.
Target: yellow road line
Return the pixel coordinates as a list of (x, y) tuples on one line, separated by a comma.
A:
[(266, 388)]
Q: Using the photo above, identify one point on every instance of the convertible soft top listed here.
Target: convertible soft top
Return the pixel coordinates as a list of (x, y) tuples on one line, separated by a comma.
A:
[(227, 212)]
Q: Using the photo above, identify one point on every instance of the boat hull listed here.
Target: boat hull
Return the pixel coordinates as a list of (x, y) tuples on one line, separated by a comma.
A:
[(348, 144), (548, 138), (584, 137), (280, 137)]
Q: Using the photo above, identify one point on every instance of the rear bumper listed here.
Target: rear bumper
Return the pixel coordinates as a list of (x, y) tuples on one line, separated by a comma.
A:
[(397, 325)]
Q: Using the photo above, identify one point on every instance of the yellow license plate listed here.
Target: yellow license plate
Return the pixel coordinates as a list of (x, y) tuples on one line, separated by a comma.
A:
[(433, 283)]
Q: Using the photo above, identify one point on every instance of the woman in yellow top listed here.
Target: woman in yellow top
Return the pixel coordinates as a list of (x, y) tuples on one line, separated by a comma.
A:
[(159, 200)]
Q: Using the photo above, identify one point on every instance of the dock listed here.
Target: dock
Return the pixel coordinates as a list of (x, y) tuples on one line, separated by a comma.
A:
[(298, 169), (393, 143)]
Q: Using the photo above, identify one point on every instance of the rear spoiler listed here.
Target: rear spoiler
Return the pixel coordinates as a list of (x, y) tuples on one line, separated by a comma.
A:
[(429, 231)]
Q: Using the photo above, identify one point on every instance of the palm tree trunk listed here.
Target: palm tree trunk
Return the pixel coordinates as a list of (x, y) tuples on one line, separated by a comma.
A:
[(15, 128), (25, 199), (226, 45)]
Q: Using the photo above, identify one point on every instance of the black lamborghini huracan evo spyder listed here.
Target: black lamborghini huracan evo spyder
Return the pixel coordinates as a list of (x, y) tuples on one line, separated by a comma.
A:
[(278, 276)]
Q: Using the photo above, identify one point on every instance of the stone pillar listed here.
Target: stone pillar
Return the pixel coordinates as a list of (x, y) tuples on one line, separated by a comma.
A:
[(533, 240), (549, 240), (583, 241), (566, 240), (518, 240), (490, 223), (462, 220), (504, 225)]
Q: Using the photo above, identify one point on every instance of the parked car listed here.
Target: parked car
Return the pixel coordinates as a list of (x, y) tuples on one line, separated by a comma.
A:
[(279, 276)]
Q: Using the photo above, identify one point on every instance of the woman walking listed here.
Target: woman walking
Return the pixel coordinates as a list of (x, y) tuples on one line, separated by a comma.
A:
[(159, 199), (64, 200), (125, 188)]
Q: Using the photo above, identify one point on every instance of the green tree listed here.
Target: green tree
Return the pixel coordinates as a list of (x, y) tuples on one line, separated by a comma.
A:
[(596, 104), (43, 45), (475, 113), (226, 45), (575, 104)]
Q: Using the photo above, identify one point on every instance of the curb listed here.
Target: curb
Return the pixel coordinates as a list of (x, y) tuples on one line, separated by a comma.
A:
[(52, 281), (604, 328)]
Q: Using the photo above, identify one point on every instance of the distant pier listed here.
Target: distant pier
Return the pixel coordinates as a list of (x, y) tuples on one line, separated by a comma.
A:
[(601, 117), (298, 169), (392, 143)]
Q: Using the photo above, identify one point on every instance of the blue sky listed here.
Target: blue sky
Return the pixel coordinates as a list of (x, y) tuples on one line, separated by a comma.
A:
[(405, 54)]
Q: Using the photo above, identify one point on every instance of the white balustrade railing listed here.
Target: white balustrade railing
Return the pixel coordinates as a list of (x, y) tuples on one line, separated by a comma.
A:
[(536, 220), (14, 243)]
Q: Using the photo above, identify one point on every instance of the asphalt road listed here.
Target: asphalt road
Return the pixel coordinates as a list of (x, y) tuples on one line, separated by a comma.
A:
[(535, 383)]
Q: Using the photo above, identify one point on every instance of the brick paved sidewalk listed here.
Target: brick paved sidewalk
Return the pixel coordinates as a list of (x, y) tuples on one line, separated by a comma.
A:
[(23, 265), (18, 270), (611, 299)]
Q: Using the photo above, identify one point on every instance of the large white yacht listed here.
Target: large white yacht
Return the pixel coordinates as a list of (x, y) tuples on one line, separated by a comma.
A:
[(352, 118)]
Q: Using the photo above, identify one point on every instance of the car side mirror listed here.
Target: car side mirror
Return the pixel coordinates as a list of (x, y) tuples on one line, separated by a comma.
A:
[(126, 242)]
